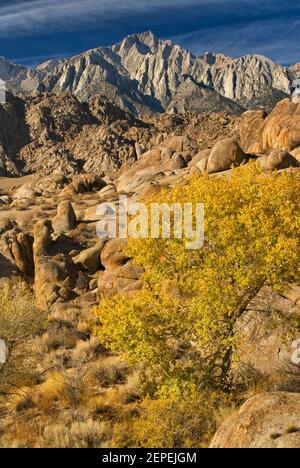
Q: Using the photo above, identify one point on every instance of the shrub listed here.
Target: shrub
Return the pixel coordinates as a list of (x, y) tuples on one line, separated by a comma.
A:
[(20, 321), (85, 351), (84, 434), (109, 371), (53, 391), (176, 421)]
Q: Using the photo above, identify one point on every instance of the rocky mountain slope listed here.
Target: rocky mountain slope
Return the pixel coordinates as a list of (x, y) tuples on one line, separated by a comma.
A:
[(56, 133), (144, 74)]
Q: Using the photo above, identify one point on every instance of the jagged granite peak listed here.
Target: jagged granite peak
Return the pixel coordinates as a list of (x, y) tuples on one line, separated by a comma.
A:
[(143, 74), (50, 65), (216, 59), (296, 70), (198, 98), (9, 70), (146, 39), (157, 66), (249, 79), (19, 78)]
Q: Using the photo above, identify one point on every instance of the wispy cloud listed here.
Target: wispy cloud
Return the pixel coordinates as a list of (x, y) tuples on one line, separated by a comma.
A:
[(234, 27), (277, 38), (21, 17), (36, 16)]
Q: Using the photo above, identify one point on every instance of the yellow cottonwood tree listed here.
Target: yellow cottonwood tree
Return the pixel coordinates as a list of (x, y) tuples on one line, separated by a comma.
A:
[(182, 324)]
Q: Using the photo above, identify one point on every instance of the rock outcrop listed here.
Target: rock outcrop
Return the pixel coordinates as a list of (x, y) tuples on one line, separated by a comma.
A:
[(93, 132), (278, 159), (267, 341), (56, 135), (90, 259), (49, 233), (266, 421), (65, 220), (224, 155), (280, 130)]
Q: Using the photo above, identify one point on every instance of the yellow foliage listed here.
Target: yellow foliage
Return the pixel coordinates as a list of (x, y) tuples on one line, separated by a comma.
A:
[(179, 421), (252, 240)]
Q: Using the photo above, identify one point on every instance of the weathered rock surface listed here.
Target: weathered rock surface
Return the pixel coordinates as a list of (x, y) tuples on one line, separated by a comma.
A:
[(74, 154), (17, 248), (269, 420), (280, 130), (224, 155), (85, 183), (278, 159), (124, 280), (268, 342), (42, 237), (61, 138), (90, 259), (195, 97), (65, 220), (112, 256)]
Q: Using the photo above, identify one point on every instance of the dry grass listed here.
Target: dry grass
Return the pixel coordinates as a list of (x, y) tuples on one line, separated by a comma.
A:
[(86, 398), (20, 321), (109, 372), (51, 393), (85, 351), (85, 434)]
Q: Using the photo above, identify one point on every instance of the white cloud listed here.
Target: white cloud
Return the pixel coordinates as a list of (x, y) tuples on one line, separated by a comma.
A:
[(34, 16), (24, 17), (275, 38)]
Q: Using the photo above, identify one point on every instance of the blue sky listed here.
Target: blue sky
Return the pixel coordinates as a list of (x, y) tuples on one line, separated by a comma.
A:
[(32, 31)]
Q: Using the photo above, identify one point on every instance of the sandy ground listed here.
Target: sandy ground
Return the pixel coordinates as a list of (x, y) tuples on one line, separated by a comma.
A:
[(7, 183)]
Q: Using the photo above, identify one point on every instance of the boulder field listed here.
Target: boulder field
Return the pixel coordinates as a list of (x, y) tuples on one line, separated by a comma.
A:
[(48, 224)]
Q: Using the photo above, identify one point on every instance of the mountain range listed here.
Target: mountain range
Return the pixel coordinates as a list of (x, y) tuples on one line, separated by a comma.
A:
[(144, 74)]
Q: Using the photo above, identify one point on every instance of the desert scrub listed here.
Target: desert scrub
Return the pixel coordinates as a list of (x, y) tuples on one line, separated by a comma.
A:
[(82, 434), (252, 241), (110, 371), (85, 351), (185, 420), (20, 322)]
